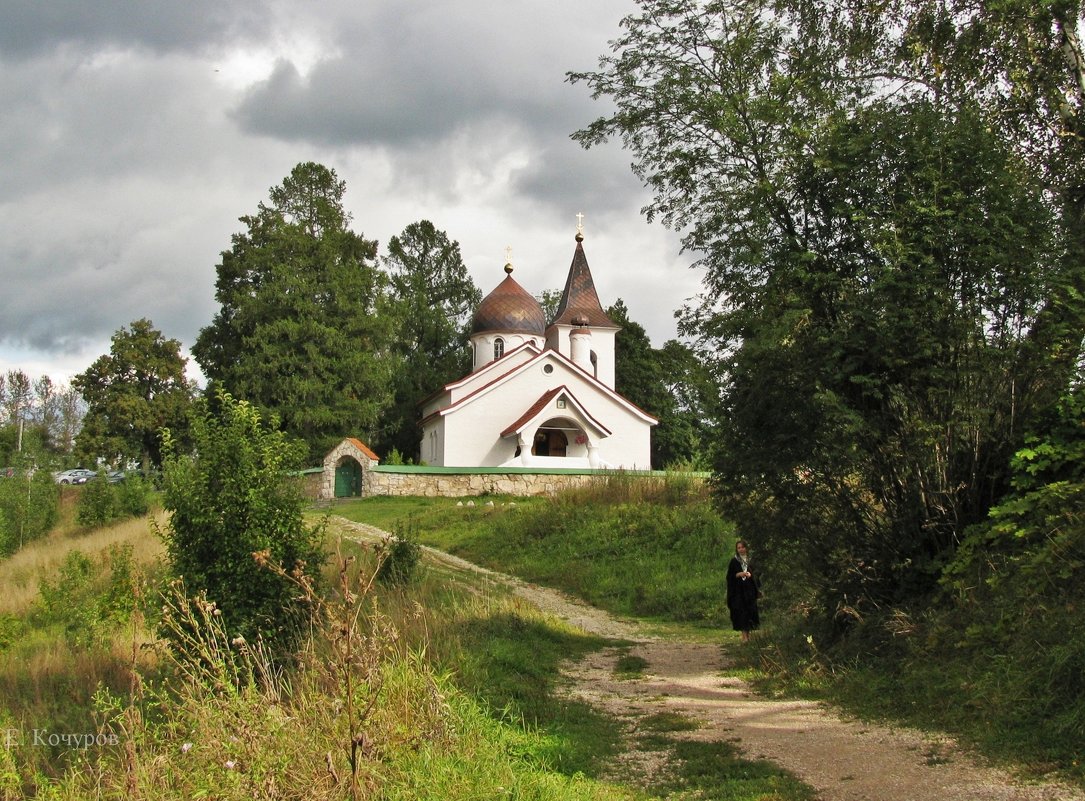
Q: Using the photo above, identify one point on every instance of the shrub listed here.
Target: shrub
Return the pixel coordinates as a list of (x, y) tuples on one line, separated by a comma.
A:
[(97, 506), (234, 512), (401, 557), (133, 496)]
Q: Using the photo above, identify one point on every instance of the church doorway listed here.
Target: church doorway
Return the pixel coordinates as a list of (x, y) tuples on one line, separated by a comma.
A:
[(552, 438)]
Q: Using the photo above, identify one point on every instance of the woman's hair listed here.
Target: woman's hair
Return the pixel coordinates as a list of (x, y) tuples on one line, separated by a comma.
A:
[(743, 543)]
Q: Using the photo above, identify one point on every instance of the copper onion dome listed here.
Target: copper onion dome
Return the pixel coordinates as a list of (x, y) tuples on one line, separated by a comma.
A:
[(509, 309)]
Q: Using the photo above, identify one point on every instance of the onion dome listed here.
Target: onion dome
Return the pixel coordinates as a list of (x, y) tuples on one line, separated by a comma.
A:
[(509, 309)]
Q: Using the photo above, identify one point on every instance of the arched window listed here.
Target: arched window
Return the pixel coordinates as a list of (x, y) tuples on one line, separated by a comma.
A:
[(499, 348), (594, 364)]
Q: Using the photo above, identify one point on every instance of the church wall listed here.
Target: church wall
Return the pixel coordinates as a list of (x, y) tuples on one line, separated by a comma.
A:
[(629, 444), (472, 433), (483, 346), (432, 446), (473, 382), (602, 343)]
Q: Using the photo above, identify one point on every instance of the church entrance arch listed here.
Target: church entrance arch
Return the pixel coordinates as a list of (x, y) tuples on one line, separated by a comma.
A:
[(552, 438)]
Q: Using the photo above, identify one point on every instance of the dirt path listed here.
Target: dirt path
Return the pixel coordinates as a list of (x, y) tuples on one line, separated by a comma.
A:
[(843, 760)]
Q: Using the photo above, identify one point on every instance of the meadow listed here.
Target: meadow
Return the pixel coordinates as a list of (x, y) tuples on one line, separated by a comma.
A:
[(436, 686)]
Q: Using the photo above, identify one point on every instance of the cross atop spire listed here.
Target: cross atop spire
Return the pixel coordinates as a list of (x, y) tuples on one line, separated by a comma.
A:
[(579, 225)]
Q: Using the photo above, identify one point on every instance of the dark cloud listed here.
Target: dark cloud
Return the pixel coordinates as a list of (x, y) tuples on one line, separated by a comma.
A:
[(28, 27), (136, 133), (410, 74)]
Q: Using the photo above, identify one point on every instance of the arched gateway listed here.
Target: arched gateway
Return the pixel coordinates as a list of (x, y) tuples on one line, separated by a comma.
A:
[(345, 468)]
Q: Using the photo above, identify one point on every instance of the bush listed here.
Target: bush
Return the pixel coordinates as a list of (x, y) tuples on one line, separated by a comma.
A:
[(401, 556), (97, 506), (236, 530), (133, 496)]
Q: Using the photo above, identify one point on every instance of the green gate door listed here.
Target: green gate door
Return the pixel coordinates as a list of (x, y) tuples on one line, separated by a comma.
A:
[(348, 480)]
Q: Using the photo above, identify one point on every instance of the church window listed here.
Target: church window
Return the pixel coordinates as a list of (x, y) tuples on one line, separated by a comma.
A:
[(594, 364), (548, 368), (499, 348)]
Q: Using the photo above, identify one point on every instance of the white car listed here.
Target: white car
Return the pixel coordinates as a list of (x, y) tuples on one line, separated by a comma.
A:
[(77, 476)]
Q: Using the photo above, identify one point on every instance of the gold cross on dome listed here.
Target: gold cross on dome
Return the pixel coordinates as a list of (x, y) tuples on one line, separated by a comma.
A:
[(508, 254), (580, 222)]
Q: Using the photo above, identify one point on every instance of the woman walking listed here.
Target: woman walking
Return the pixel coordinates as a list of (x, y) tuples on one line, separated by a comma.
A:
[(743, 590)]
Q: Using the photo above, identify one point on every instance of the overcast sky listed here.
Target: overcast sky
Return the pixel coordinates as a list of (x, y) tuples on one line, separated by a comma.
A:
[(134, 134)]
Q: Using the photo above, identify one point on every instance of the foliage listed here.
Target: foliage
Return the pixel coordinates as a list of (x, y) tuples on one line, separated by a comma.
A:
[(433, 299), (996, 657), (232, 723), (89, 600), (102, 502), (303, 330), (637, 546), (132, 393), (133, 495), (97, 505), (401, 556), (234, 513), (883, 265), (669, 383), (38, 418), (28, 509)]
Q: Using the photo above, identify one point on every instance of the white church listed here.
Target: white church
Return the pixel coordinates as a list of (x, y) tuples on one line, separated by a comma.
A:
[(538, 395)]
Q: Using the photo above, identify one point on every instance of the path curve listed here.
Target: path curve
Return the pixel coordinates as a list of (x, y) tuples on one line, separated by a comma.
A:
[(844, 760)]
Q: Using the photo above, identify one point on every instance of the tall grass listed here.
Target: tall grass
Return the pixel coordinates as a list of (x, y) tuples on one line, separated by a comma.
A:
[(411, 691), (21, 573)]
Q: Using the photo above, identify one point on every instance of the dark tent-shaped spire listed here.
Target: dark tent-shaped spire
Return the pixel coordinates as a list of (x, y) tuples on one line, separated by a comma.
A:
[(579, 299)]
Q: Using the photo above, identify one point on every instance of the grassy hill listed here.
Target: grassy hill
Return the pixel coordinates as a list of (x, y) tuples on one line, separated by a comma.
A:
[(432, 688)]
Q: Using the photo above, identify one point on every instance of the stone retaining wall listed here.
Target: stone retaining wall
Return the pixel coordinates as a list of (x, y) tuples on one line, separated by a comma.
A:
[(456, 485), (446, 482)]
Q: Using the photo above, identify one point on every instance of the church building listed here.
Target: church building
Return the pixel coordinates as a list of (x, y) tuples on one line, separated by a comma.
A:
[(538, 395)]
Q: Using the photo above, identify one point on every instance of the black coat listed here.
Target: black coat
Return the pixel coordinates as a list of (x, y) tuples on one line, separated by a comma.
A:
[(742, 595)]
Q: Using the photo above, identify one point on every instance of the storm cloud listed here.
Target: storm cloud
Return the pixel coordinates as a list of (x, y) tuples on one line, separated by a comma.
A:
[(136, 134)]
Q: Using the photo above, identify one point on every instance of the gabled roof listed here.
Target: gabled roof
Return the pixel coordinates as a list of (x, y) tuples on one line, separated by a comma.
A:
[(501, 364), (543, 402), (579, 299), (520, 368), (357, 443)]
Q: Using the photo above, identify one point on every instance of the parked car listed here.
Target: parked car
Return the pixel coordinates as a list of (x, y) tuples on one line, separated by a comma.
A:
[(115, 476), (76, 476), (7, 472)]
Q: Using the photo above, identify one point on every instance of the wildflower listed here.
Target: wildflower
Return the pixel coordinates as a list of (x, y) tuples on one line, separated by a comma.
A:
[(238, 641), (230, 764), (186, 748)]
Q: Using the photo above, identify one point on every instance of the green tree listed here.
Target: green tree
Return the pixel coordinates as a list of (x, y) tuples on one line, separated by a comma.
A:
[(550, 300), (878, 258), (233, 512), (132, 393), (304, 329), (29, 507), (656, 380), (434, 298)]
